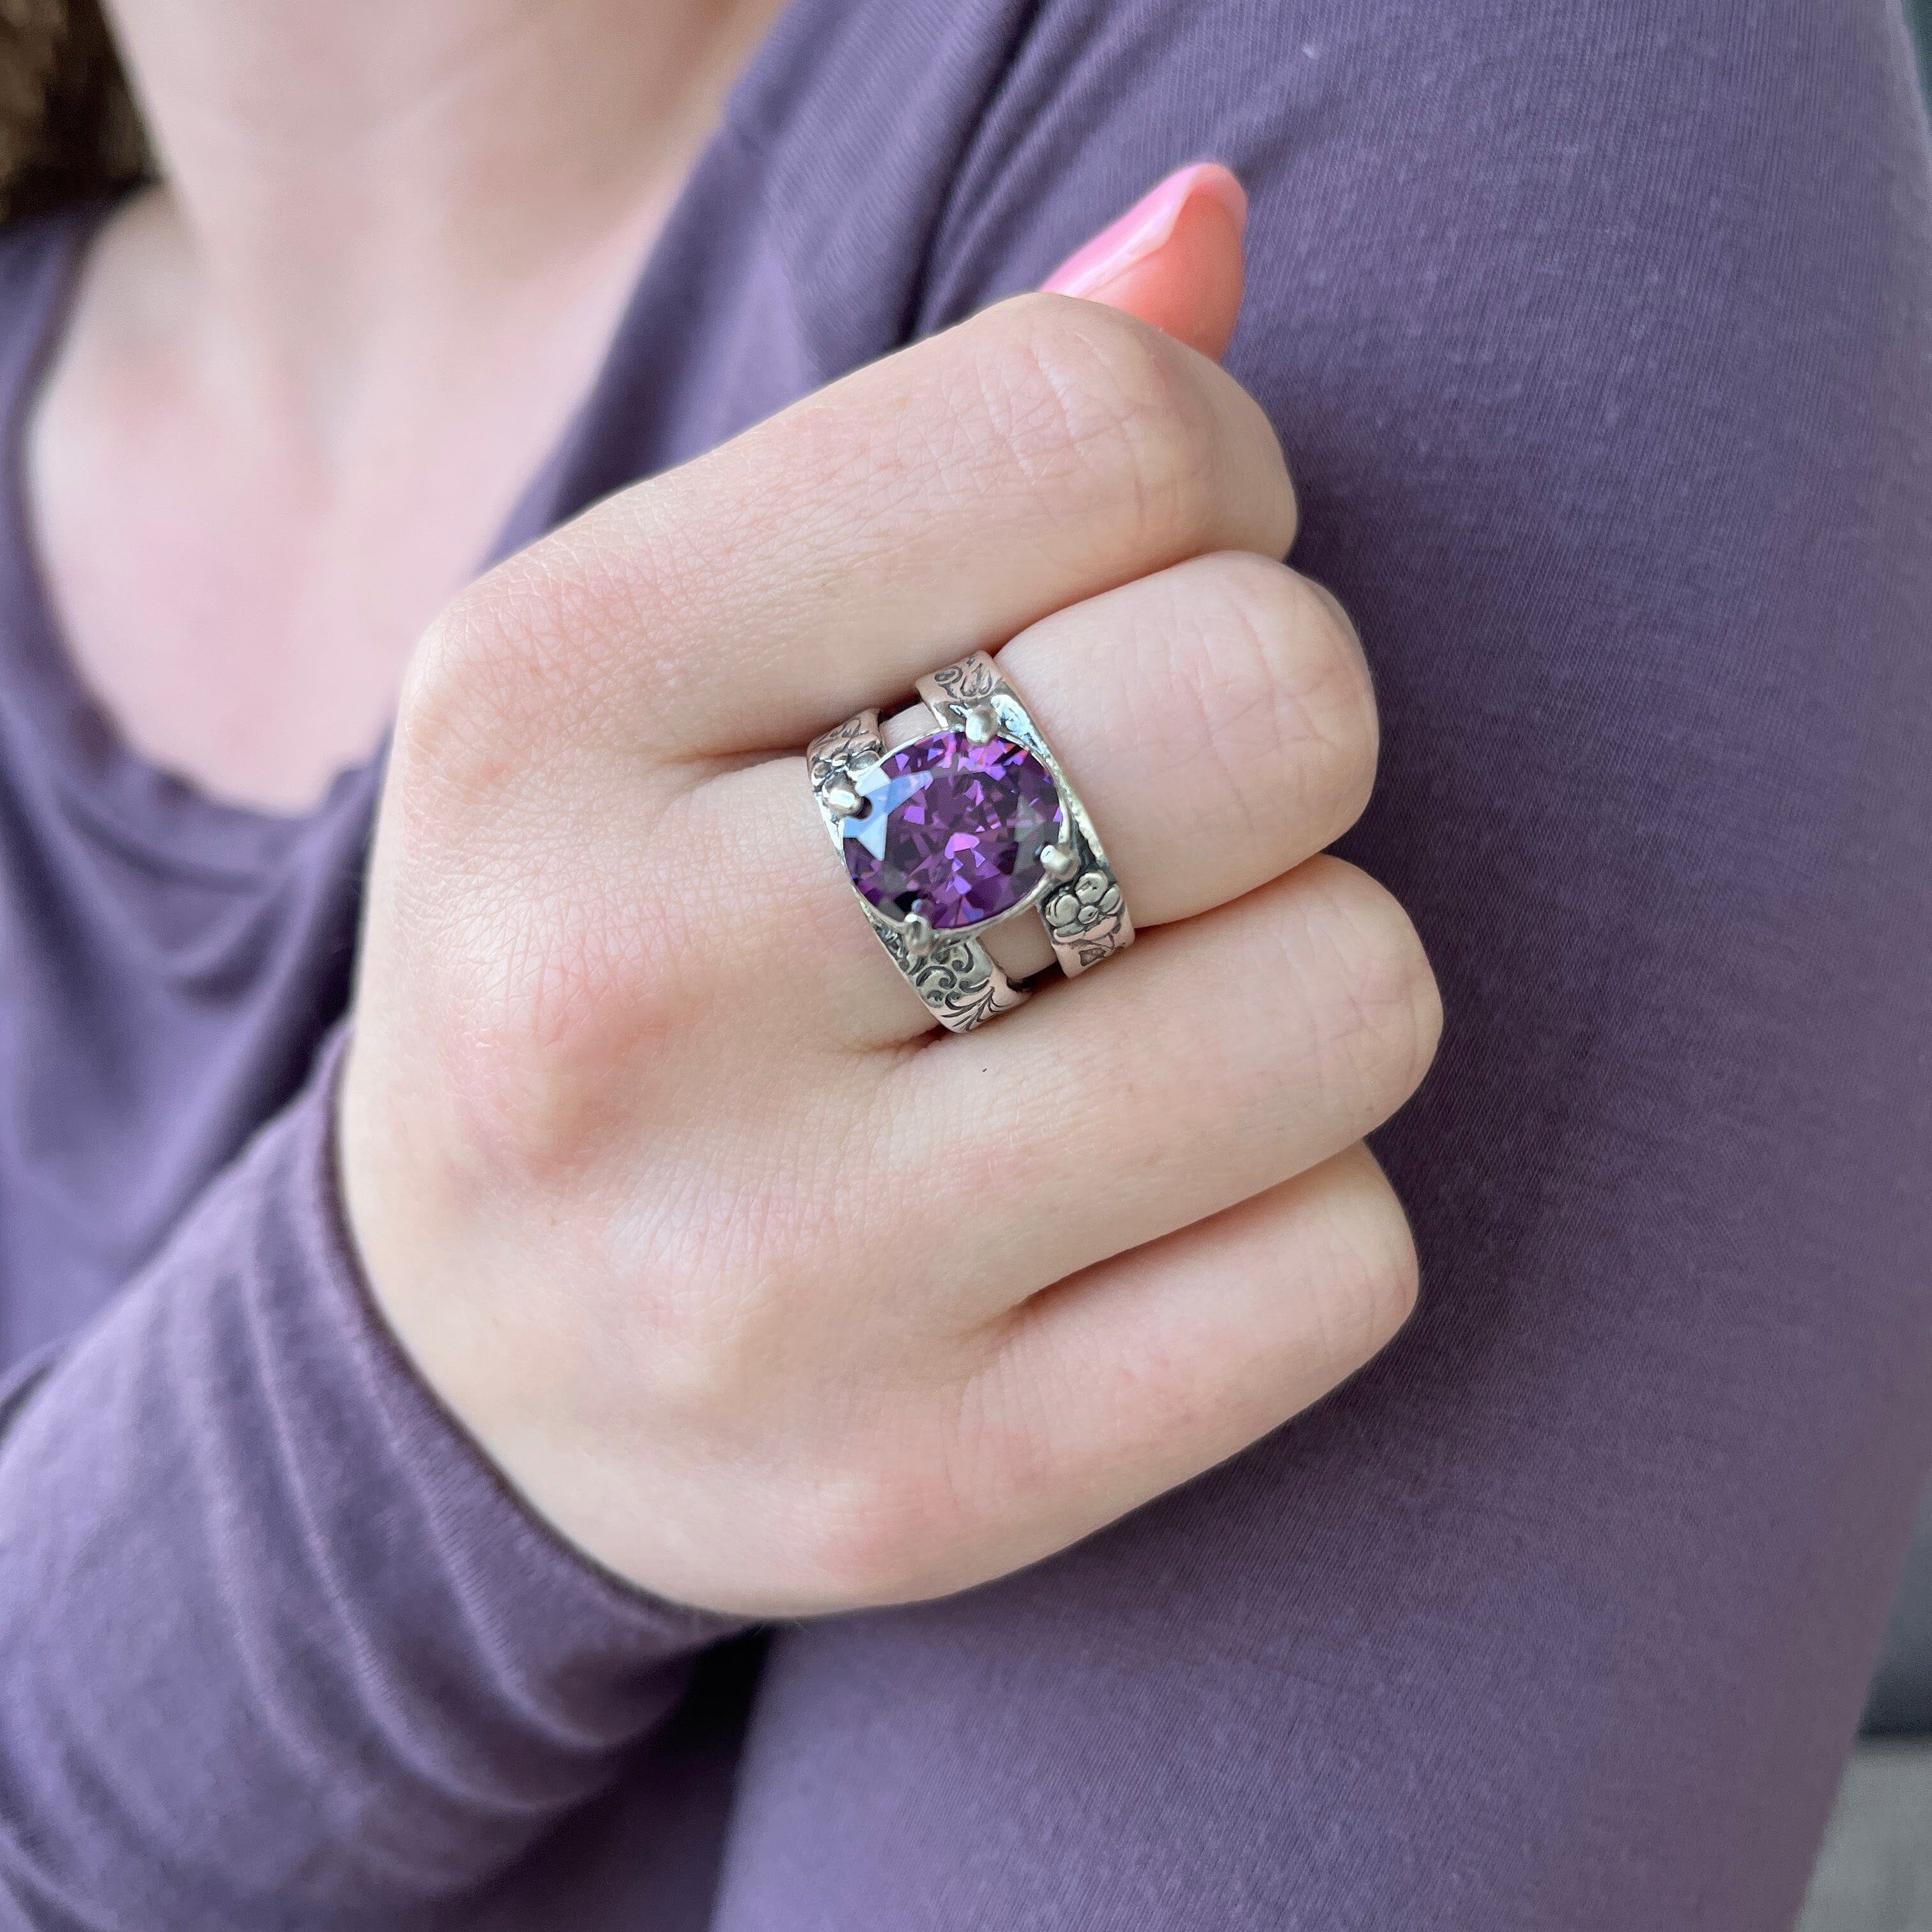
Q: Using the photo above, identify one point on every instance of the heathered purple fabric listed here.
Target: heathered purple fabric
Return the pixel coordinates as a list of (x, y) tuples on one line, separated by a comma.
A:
[(1600, 336)]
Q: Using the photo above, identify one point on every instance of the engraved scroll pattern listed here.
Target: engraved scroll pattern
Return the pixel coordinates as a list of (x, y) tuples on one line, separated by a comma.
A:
[(958, 979), (969, 681)]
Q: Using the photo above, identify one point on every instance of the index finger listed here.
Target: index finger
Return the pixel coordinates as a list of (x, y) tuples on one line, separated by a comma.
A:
[(932, 503)]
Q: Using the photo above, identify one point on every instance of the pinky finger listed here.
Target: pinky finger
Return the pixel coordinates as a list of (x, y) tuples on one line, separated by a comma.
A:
[(1124, 1381)]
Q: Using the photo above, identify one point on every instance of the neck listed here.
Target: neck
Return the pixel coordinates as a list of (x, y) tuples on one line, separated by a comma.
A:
[(364, 172)]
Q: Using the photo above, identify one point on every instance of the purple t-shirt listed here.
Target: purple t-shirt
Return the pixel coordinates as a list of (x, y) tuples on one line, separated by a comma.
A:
[(1600, 339)]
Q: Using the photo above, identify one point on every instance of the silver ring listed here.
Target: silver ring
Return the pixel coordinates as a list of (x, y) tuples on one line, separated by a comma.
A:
[(969, 824)]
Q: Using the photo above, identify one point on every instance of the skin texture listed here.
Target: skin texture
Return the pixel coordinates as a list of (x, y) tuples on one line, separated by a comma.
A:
[(634, 1169), (764, 1298), (284, 388), (1606, 409)]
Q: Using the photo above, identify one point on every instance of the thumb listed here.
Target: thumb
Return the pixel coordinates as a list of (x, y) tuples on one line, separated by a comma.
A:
[(1174, 258)]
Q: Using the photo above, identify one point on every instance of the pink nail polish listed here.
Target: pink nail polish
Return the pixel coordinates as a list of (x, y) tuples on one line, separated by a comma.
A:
[(1144, 226)]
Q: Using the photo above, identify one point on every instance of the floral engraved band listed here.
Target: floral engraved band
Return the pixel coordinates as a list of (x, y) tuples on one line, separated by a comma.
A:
[(972, 824)]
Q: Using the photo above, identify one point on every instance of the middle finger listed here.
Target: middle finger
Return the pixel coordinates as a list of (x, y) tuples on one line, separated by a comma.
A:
[(1216, 719)]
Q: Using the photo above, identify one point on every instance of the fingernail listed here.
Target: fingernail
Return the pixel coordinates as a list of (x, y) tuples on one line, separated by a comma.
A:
[(1145, 227)]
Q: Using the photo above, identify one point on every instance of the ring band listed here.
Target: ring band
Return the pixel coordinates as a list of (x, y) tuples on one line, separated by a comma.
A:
[(969, 824)]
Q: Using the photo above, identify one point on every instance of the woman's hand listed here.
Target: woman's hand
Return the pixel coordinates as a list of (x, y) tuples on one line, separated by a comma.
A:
[(767, 1296)]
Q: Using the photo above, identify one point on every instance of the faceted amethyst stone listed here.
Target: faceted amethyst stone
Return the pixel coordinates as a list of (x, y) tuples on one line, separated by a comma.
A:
[(951, 829)]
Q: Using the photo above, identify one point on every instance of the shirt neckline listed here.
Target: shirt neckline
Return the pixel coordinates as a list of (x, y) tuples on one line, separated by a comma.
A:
[(146, 810), (161, 816)]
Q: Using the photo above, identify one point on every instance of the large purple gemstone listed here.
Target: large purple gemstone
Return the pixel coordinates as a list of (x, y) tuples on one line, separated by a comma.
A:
[(951, 829)]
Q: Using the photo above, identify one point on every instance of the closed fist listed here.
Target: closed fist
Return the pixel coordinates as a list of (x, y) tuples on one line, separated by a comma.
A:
[(770, 1296)]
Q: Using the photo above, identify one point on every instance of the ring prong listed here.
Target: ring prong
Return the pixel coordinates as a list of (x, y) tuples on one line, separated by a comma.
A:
[(983, 724), (1059, 862), (842, 800), (918, 935)]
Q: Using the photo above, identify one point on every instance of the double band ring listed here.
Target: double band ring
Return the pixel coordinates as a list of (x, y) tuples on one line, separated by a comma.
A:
[(972, 824)]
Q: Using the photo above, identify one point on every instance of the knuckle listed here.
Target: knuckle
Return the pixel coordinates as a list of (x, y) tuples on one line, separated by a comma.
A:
[(1290, 683), (517, 662), (534, 1120), (481, 684), (1088, 400), (445, 732), (1377, 1003), (930, 1496), (704, 1347), (547, 1007), (879, 1533), (1382, 1271)]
